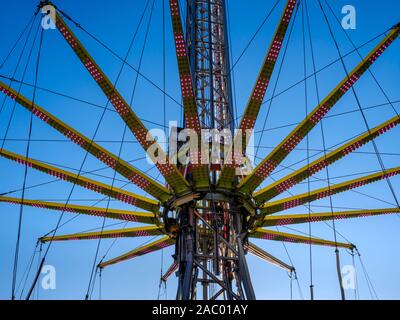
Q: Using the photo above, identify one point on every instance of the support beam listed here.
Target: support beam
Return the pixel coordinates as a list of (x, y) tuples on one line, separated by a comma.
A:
[(253, 106), (198, 160), (124, 215), (174, 266), (265, 168), (290, 219), (187, 251), (262, 254), (151, 247), (119, 194), (122, 167), (244, 272), (109, 234), (293, 238), (307, 197), (303, 173), (170, 172)]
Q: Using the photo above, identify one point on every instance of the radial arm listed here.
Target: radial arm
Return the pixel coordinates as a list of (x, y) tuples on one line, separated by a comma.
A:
[(170, 172), (125, 215), (268, 164), (257, 96), (119, 194), (125, 169), (121, 233), (199, 167), (296, 201), (299, 175), (151, 247), (253, 249), (174, 266), (290, 219), (287, 237)]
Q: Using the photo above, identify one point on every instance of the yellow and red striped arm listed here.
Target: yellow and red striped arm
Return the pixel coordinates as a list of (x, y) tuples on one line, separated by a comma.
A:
[(199, 166), (264, 169), (125, 169), (170, 172), (119, 194), (257, 96), (292, 202), (151, 247), (258, 252), (125, 215), (288, 237), (299, 175), (174, 266), (290, 219), (109, 234)]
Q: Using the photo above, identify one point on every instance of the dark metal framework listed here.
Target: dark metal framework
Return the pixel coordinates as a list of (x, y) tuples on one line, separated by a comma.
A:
[(207, 39), (212, 233)]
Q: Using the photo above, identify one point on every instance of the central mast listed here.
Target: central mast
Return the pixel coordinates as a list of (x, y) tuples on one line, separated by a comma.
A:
[(207, 40), (211, 237)]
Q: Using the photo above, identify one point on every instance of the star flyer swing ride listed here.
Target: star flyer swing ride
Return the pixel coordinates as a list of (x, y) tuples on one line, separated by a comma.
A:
[(208, 212)]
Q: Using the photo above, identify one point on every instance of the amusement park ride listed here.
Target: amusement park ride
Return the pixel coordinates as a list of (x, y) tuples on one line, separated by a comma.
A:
[(208, 212)]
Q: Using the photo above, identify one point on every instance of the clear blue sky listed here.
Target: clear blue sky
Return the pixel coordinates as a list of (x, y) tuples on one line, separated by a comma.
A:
[(114, 23)]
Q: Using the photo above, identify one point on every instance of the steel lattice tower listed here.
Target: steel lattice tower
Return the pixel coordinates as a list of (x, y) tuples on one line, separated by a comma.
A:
[(211, 232), (207, 40)]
